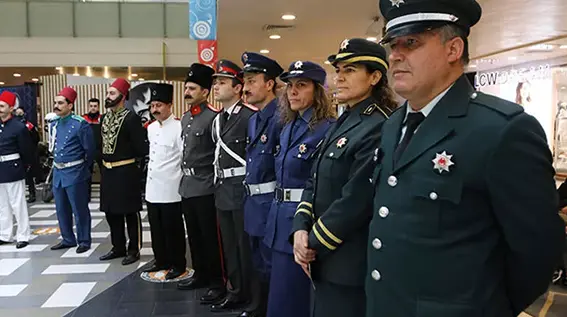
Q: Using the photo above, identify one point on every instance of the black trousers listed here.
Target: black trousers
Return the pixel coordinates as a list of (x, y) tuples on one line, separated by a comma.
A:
[(202, 233), (237, 255), (30, 182), (168, 234), (118, 236), (334, 300)]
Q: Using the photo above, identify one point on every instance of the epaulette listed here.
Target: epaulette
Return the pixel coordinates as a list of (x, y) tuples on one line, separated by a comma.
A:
[(213, 109), (29, 125), (373, 107), (504, 107), (251, 107), (78, 118)]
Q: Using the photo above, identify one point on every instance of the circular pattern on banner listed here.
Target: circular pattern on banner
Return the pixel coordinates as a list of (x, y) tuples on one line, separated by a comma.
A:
[(201, 29), (159, 276), (205, 4), (207, 55), (46, 231)]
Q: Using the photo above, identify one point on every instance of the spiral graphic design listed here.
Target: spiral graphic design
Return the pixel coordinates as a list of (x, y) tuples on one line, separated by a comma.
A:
[(204, 4), (201, 29), (207, 55)]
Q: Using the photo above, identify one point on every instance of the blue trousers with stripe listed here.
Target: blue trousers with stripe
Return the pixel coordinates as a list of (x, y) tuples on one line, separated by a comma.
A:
[(74, 201)]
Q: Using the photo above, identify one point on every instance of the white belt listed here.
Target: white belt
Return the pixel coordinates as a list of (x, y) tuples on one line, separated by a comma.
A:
[(9, 157), (231, 172), (260, 189), (289, 194), (68, 164)]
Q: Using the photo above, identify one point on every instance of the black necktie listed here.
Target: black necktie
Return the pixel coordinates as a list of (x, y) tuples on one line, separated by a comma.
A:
[(413, 120), (224, 118)]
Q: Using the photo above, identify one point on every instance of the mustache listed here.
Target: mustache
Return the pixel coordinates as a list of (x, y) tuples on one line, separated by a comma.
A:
[(156, 112), (188, 97), (56, 109), (247, 93)]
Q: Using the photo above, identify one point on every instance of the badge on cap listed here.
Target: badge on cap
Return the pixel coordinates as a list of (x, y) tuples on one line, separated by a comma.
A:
[(396, 3), (341, 142), (264, 138), (442, 162), (344, 45), (154, 92), (303, 148), (298, 65), (245, 57)]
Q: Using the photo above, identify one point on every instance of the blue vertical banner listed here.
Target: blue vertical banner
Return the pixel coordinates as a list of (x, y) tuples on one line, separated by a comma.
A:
[(203, 19)]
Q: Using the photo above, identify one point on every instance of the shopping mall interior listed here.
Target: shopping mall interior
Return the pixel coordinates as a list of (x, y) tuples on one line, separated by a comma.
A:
[(518, 52)]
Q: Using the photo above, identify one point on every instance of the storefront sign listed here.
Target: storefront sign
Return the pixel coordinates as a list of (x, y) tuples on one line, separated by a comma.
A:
[(484, 79)]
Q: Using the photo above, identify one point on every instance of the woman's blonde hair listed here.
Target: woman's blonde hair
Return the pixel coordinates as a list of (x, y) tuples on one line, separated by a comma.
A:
[(322, 106)]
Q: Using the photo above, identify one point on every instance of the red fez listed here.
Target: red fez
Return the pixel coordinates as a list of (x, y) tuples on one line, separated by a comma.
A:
[(69, 93), (122, 85), (8, 98)]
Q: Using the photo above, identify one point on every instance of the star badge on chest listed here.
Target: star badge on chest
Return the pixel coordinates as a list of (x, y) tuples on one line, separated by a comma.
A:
[(264, 138), (442, 162), (341, 142), (303, 148)]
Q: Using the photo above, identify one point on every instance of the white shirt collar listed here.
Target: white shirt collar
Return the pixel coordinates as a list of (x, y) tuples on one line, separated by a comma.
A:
[(429, 107), (229, 110), (168, 120)]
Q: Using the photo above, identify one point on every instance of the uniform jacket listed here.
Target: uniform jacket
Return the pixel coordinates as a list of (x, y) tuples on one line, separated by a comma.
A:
[(123, 138), (229, 193), (95, 126), (459, 228), (198, 151), (336, 206), (164, 167), (298, 150), (72, 141), (264, 130), (15, 138)]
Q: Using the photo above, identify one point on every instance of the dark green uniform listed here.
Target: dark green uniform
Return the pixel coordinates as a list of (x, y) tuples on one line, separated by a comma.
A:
[(336, 209), (465, 222)]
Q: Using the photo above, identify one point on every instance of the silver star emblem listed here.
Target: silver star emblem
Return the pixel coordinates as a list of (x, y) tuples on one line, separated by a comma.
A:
[(442, 162), (344, 45), (245, 57), (396, 3), (298, 64)]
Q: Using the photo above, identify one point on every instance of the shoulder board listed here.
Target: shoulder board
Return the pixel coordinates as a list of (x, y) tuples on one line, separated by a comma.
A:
[(78, 118), (29, 125), (213, 109), (249, 106), (375, 107), (236, 109), (504, 107)]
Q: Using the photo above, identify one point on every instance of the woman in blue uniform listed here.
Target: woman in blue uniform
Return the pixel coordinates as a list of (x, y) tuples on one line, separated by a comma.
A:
[(330, 229), (307, 114)]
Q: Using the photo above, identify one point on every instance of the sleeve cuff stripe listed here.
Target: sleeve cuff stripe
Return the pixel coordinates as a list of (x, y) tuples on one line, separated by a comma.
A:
[(321, 240), (305, 211), (329, 233), (305, 205)]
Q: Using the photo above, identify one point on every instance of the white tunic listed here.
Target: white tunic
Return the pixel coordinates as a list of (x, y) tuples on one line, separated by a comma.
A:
[(164, 168)]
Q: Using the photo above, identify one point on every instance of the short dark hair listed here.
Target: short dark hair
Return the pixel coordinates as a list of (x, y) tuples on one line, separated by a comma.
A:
[(268, 78), (236, 82), (94, 100), (451, 31)]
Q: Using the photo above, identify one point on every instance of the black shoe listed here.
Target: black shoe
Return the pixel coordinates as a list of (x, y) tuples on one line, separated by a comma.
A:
[(2, 242), (131, 258), (229, 303), (61, 246), (22, 244), (174, 273), (82, 249), (155, 268), (251, 314), (212, 296), (191, 284), (31, 199), (112, 255)]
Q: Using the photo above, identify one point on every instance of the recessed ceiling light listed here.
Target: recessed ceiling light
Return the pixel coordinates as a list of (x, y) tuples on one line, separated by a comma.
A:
[(327, 62), (512, 58), (275, 37), (35, 79), (58, 68), (288, 17), (76, 74), (264, 51), (372, 39), (2, 83), (542, 47), (17, 75), (563, 88), (563, 47), (134, 75), (141, 79)]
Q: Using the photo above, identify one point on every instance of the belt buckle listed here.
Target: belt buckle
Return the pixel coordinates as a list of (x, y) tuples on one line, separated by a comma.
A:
[(232, 172), (279, 194), (247, 189), (220, 173), (287, 195)]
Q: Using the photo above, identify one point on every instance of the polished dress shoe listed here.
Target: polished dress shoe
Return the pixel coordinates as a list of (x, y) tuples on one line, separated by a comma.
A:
[(31, 199), (251, 314), (230, 302), (61, 246), (2, 242), (174, 273), (191, 284), (112, 255), (155, 268), (82, 249), (131, 258), (212, 296), (22, 244)]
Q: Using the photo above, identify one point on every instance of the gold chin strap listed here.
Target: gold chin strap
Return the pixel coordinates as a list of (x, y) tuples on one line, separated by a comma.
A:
[(361, 59)]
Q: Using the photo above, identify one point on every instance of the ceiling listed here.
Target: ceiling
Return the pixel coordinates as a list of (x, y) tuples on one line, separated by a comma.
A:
[(322, 24)]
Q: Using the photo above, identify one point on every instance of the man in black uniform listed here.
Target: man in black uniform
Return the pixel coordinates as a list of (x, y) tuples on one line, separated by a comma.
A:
[(229, 132), (196, 186), (124, 145), (32, 169), (458, 230), (93, 117)]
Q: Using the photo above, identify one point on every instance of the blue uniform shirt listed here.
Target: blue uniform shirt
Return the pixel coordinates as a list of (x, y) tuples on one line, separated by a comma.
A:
[(73, 141), (293, 166), (14, 139), (264, 129)]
